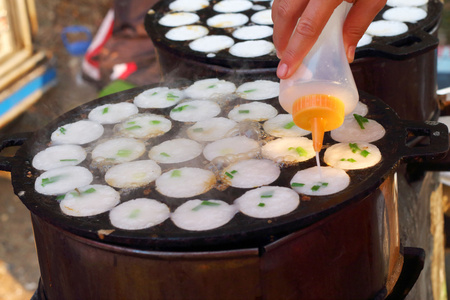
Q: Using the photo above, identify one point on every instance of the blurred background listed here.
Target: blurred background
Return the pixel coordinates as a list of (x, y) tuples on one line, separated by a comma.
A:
[(63, 87)]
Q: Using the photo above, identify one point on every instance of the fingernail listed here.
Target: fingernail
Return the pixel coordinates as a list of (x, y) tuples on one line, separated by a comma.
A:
[(282, 70), (351, 53), (278, 54)]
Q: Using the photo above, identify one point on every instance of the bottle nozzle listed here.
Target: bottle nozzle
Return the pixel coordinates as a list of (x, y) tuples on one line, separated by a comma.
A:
[(317, 130)]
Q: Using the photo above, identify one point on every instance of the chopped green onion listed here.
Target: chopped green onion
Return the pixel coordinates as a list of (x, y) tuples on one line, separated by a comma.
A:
[(197, 129), (300, 151), (315, 188), (155, 122), (89, 191), (250, 91), (131, 123), (361, 120), (267, 195), (205, 203), (296, 184), (244, 111), (164, 154), (50, 180), (233, 172), (212, 86), (60, 197), (171, 97), (324, 183), (133, 127), (176, 173), (62, 130), (68, 159), (348, 159), (124, 153), (289, 125), (229, 175), (105, 110), (365, 153), (155, 93), (134, 213), (180, 108), (261, 204)]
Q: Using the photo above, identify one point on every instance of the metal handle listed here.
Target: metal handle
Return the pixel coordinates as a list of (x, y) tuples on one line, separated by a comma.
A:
[(427, 140), (6, 163)]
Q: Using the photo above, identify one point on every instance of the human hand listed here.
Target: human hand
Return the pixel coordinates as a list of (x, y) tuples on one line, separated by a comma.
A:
[(293, 38)]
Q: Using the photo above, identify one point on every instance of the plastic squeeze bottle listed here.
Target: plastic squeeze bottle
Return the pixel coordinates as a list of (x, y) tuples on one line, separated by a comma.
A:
[(322, 90)]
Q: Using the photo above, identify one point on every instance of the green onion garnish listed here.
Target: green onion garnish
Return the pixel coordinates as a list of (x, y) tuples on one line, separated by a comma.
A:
[(261, 204), (164, 154), (289, 125), (315, 188), (300, 151), (180, 108), (62, 130), (212, 86), (124, 152), (250, 91), (296, 184), (233, 172), (348, 159), (155, 93), (354, 147), (89, 191), (134, 213), (105, 110), (133, 127), (267, 195), (205, 203), (68, 159), (171, 97), (244, 111), (60, 197), (50, 180), (131, 123), (176, 173), (155, 122), (197, 129), (361, 120), (229, 175), (365, 153)]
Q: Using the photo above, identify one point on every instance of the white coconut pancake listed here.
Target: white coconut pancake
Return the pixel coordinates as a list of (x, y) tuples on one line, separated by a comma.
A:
[(252, 48), (195, 110), (232, 6), (251, 173), (386, 28), (113, 113), (237, 147), (289, 149), (406, 2), (59, 156), (179, 19), (133, 174), (187, 33), (116, 151), (211, 43), (227, 20), (175, 151), (358, 129), (61, 180), (143, 126), (199, 215), (211, 130), (405, 14), (158, 97), (263, 17), (283, 125), (210, 88), (253, 32), (255, 111), (185, 182), (360, 109), (364, 40), (268, 202), (188, 5), (259, 90), (80, 132), (138, 214), (315, 182), (89, 200), (352, 156)]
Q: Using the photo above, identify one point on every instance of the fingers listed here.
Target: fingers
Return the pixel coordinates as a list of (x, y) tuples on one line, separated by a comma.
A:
[(285, 14), (358, 19), (305, 32)]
